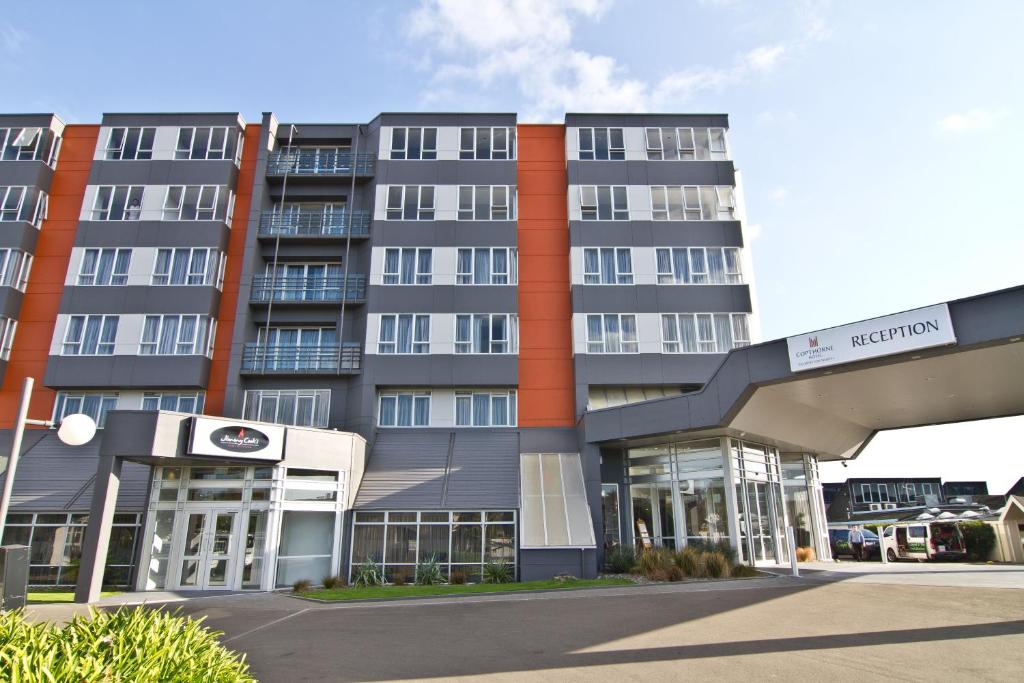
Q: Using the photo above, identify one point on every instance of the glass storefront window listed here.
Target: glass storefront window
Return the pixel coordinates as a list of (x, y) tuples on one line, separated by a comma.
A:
[(704, 512), (255, 547), (610, 514), (307, 542)]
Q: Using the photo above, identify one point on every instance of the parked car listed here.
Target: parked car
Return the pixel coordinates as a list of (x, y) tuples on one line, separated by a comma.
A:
[(839, 539), (924, 541)]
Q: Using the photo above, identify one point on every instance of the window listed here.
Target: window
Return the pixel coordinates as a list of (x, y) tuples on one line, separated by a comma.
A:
[(693, 203), (410, 203), (408, 266), (698, 266), (90, 335), (486, 333), (603, 203), (14, 268), (608, 266), (486, 202), (686, 144), (602, 144), (196, 203), (103, 267), (21, 144), (117, 203), (485, 409), (16, 204), (206, 143), (190, 402), (487, 266), (187, 267), (177, 335), (129, 143), (612, 333), (414, 143), (404, 333), (95, 405), (404, 409), (704, 332), (296, 407), (487, 143), (8, 327)]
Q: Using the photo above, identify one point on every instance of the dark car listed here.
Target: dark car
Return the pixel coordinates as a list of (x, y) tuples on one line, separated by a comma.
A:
[(839, 540)]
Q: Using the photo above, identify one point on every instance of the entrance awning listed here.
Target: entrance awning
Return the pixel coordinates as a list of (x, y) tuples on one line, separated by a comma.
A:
[(554, 513)]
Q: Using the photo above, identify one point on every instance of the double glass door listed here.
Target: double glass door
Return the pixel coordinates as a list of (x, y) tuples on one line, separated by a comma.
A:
[(207, 553)]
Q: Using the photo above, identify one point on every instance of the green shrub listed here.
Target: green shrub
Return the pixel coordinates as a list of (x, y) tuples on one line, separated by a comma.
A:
[(367, 574), (979, 539), (302, 586), (715, 565), (497, 572), (620, 559), (656, 562), (331, 582), (688, 561), (722, 547), (676, 574), (428, 572), (131, 644)]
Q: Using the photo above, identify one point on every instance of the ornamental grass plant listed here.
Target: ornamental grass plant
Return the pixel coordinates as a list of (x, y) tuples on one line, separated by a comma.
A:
[(131, 644)]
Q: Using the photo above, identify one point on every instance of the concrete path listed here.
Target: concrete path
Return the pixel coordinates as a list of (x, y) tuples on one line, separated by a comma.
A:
[(953, 574)]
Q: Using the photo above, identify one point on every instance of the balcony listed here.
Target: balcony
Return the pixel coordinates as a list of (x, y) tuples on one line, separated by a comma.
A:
[(346, 358), (314, 224), (320, 162), (308, 291)]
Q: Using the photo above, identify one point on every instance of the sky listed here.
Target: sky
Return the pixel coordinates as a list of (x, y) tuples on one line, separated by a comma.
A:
[(879, 142)]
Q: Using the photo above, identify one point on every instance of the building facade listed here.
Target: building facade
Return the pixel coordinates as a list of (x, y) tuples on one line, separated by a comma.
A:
[(455, 292)]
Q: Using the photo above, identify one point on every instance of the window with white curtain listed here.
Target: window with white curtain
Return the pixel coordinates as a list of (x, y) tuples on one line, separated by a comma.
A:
[(177, 335), (95, 405), (608, 266), (410, 203), (128, 144), (487, 202), (698, 266), (404, 333), (485, 408), (686, 144), (187, 402), (487, 143), (413, 143), (612, 333), (404, 409), (194, 203), (295, 407), (602, 144), (15, 266), (117, 203), (8, 327), (704, 332), (184, 266), (604, 203), (693, 203), (207, 142), (408, 266), (487, 266), (486, 333), (104, 267), (90, 335)]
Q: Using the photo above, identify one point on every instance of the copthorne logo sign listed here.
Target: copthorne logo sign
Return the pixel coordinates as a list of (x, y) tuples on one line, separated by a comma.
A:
[(908, 331)]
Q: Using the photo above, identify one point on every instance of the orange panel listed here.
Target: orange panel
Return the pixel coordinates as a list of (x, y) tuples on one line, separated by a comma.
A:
[(232, 274), (39, 306), (546, 380)]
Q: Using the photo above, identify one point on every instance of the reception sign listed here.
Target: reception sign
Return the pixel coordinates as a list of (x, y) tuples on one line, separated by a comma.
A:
[(921, 328)]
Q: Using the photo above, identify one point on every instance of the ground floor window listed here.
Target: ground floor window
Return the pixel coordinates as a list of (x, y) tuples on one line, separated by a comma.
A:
[(461, 542), (610, 514), (55, 546), (307, 541)]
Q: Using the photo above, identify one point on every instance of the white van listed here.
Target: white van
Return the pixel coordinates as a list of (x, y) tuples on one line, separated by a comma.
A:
[(921, 540)]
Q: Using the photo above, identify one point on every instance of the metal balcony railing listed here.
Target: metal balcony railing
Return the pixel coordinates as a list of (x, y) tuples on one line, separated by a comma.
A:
[(308, 290), (314, 223), (320, 162), (298, 360)]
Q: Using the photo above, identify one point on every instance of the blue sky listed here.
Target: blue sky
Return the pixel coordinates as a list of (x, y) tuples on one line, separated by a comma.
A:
[(879, 142)]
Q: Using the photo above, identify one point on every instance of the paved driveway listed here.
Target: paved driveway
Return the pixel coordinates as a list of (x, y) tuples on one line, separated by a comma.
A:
[(814, 628)]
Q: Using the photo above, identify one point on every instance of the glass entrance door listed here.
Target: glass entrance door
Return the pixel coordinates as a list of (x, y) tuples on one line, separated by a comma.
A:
[(206, 553)]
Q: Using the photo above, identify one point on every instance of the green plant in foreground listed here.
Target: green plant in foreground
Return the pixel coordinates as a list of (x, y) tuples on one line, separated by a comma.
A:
[(330, 582), (620, 559), (497, 572), (979, 539), (367, 574), (656, 563), (428, 572), (716, 565), (131, 644), (302, 586), (688, 560)]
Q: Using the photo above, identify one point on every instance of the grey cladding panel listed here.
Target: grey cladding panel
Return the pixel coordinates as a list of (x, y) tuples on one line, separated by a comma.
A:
[(446, 172), (444, 233), (651, 173), (661, 298), (643, 120), (443, 299), (164, 172), (655, 233), (484, 471), (140, 299), (152, 234), (406, 470)]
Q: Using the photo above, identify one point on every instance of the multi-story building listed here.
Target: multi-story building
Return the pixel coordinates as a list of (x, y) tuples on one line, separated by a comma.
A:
[(451, 293), (869, 498)]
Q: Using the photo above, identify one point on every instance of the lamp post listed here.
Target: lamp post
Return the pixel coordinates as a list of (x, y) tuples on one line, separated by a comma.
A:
[(74, 430)]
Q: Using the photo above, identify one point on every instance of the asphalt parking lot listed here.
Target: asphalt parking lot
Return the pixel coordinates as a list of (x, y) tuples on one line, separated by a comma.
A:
[(822, 626)]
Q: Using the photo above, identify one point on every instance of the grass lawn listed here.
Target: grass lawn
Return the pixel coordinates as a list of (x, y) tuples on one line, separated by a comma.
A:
[(59, 596), (363, 593)]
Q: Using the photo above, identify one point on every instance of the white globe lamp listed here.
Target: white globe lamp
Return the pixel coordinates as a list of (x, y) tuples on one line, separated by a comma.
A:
[(76, 430)]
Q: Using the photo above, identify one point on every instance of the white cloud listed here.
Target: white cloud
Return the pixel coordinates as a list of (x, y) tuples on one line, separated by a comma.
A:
[(752, 231), (972, 119), (779, 195), (13, 39)]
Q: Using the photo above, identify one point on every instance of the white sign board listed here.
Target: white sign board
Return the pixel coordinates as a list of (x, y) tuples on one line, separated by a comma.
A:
[(921, 328), (239, 440)]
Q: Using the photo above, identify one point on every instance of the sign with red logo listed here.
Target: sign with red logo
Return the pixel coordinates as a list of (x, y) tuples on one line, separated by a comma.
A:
[(228, 439)]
